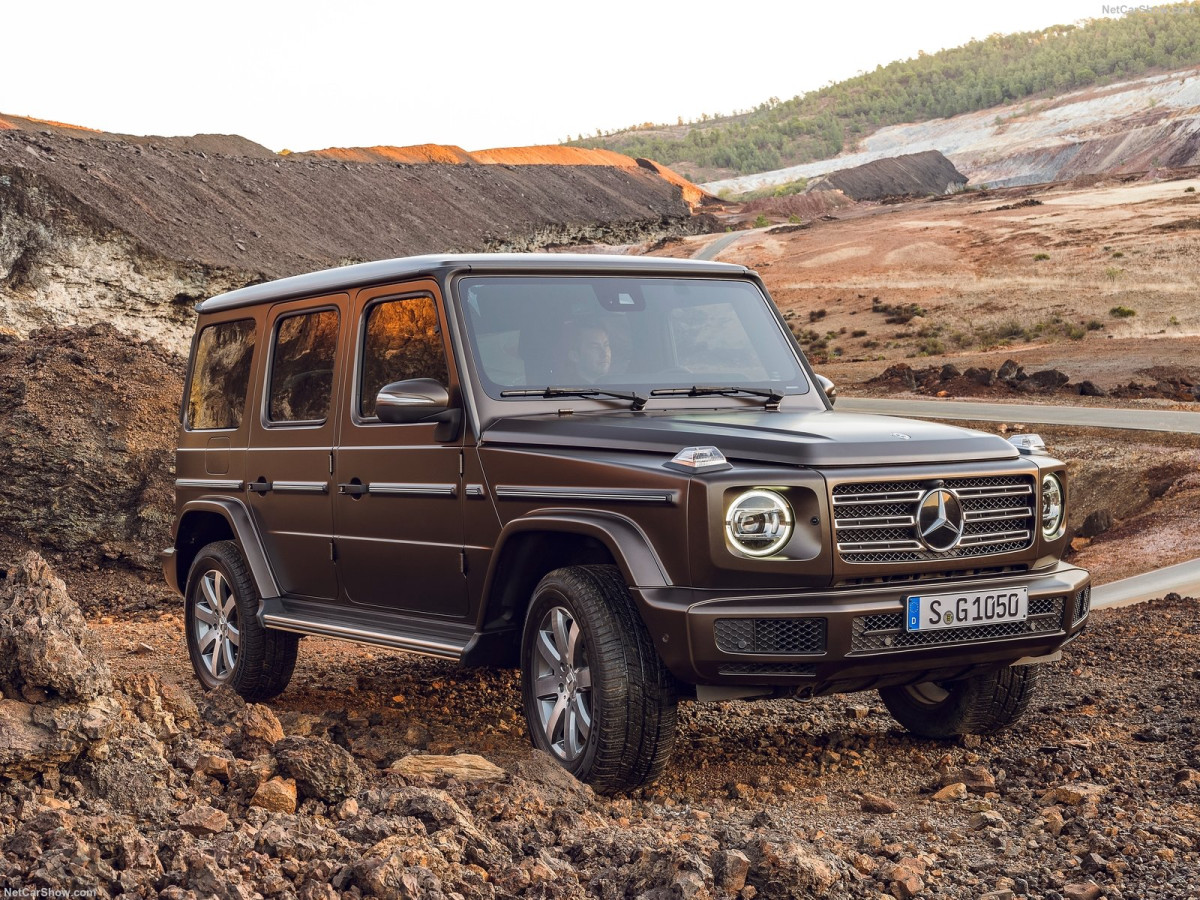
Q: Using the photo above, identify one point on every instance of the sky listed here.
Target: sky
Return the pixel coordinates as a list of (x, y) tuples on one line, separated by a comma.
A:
[(302, 75)]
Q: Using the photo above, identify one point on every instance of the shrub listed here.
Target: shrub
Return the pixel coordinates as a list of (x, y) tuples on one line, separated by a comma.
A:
[(761, 221), (1112, 273), (1122, 312), (858, 332), (1038, 257), (1190, 189), (816, 315), (1118, 255)]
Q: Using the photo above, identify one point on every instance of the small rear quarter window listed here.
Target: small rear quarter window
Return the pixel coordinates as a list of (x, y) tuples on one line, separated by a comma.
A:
[(221, 369)]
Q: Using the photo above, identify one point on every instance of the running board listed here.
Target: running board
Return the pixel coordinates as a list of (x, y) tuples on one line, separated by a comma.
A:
[(300, 617)]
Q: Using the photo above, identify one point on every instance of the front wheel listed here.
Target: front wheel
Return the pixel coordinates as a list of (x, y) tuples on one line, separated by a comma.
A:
[(980, 704), (597, 697), (226, 643)]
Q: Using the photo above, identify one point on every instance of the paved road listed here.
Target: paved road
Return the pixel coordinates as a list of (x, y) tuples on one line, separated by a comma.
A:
[(710, 250), (1092, 416), (1182, 579)]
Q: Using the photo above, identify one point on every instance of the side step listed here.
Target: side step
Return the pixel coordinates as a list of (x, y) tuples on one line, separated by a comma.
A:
[(441, 640)]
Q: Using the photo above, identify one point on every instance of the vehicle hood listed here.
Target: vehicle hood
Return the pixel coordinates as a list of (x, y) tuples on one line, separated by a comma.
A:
[(819, 438)]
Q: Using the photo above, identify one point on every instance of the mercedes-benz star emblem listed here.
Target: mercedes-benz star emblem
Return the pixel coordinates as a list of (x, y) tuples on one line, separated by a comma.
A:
[(940, 520)]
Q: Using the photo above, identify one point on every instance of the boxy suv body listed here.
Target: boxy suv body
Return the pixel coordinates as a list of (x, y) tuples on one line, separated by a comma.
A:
[(618, 473)]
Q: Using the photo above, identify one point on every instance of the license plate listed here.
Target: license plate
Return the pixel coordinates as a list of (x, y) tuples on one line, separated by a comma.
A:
[(934, 611)]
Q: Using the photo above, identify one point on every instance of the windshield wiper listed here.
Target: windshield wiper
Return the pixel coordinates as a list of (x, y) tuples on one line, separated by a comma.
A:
[(638, 402), (773, 397)]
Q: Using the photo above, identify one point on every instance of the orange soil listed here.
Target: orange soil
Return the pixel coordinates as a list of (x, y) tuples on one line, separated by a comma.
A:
[(7, 126), (414, 155), (550, 155)]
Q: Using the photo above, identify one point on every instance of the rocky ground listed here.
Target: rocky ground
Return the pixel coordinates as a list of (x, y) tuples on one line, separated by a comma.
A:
[(381, 775)]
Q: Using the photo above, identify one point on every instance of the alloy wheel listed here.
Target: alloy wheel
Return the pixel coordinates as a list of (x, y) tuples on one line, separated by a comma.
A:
[(216, 620), (563, 684)]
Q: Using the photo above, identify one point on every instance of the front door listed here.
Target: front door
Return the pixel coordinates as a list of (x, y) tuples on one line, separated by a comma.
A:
[(398, 517), (288, 471)]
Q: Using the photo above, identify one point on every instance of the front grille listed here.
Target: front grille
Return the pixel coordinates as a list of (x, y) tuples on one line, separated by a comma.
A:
[(876, 522), (774, 636), (885, 631), (1083, 604), (769, 669)]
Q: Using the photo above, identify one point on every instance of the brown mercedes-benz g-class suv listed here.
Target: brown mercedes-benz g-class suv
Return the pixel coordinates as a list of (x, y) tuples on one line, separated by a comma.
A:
[(618, 473)]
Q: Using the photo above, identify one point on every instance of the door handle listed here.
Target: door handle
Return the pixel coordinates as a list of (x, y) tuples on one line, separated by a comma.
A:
[(261, 486), (353, 490)]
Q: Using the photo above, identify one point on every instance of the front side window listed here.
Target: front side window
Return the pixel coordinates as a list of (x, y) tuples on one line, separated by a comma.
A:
[(302, 360), (638, 334), (220, 376), (401, 340)]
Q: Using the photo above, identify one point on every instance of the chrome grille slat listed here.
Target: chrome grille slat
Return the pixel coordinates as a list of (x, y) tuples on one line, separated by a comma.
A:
[(876, 522)]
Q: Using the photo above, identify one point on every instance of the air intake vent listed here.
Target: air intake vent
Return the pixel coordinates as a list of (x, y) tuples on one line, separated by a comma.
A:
[(778, 637)]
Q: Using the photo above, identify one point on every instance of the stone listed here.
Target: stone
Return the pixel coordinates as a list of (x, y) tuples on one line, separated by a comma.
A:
[(989, 819), (949, 371), (1097, 522), (463, 766), (1076, 793), (730, 868), (1053, 821), (951, 792), (976, 779), (259, 723), (1047, 380), (1010, 370), (46, 648), (981, 376), (1090, 389), (276, 795), (791, 870), (1087, 890), (905, 883), (203, 820), (872, 803), (322, 769)]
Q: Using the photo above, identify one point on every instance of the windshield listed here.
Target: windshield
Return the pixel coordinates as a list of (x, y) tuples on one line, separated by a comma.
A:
[(634, 334)]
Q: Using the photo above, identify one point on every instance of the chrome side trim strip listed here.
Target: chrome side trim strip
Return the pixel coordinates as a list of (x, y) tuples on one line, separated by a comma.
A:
[(300, 487), (630, 495), (412, 490), (476, 490), (216, 484), (363, 636)]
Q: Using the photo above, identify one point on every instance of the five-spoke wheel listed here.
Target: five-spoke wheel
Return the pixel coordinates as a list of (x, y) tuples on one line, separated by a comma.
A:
[(597, 697), (563, 684), (226, 643)]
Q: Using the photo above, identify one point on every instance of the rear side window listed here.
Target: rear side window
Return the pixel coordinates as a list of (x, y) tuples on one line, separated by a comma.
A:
[(220, 375), (401, 340), (302, 367)]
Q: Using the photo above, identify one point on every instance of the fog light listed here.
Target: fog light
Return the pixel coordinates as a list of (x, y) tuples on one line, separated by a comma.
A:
[(759, 523)]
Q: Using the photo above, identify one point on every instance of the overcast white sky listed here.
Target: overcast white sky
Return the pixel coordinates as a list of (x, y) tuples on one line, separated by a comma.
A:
[(307, 75)]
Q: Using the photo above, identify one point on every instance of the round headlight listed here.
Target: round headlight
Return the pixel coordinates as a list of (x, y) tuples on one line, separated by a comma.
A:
[(1054, 507), (759, 523)]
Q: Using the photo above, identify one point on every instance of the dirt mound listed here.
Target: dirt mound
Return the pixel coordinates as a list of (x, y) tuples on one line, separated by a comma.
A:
[(87, 433), (415, 155), (552, 155), (694, 196), (135, 233), (910, 175), (805, 206)]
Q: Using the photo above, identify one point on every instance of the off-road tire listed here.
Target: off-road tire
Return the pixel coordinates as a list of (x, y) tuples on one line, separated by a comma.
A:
[(981, 704), (264, 658), (633, 696)]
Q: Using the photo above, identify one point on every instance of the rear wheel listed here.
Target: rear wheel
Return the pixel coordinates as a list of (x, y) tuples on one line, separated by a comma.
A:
[(980, 704), (226, 643), (597, 697)]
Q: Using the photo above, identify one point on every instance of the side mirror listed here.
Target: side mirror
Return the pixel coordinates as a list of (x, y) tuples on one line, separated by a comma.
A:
[(414, 400), (829, 388)]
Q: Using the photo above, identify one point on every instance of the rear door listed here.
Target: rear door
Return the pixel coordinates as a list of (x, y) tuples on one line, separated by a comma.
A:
[(398, 513), (289, 465)]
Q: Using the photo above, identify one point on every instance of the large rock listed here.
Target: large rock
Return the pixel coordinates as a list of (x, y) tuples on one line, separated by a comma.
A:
[(46, 649), (322, 769), (463, 766)]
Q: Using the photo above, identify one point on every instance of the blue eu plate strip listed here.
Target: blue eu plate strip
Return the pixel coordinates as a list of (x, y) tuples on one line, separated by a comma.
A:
[(914, 613)]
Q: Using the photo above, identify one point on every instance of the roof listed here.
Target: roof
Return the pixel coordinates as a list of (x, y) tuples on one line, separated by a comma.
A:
[(386, 270)]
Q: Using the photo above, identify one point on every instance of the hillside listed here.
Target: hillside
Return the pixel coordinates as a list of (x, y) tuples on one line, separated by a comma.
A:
[(98, 227), (1001, 69)]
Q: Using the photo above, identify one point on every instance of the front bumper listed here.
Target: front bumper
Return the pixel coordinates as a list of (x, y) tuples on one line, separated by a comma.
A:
[(853, 638)]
